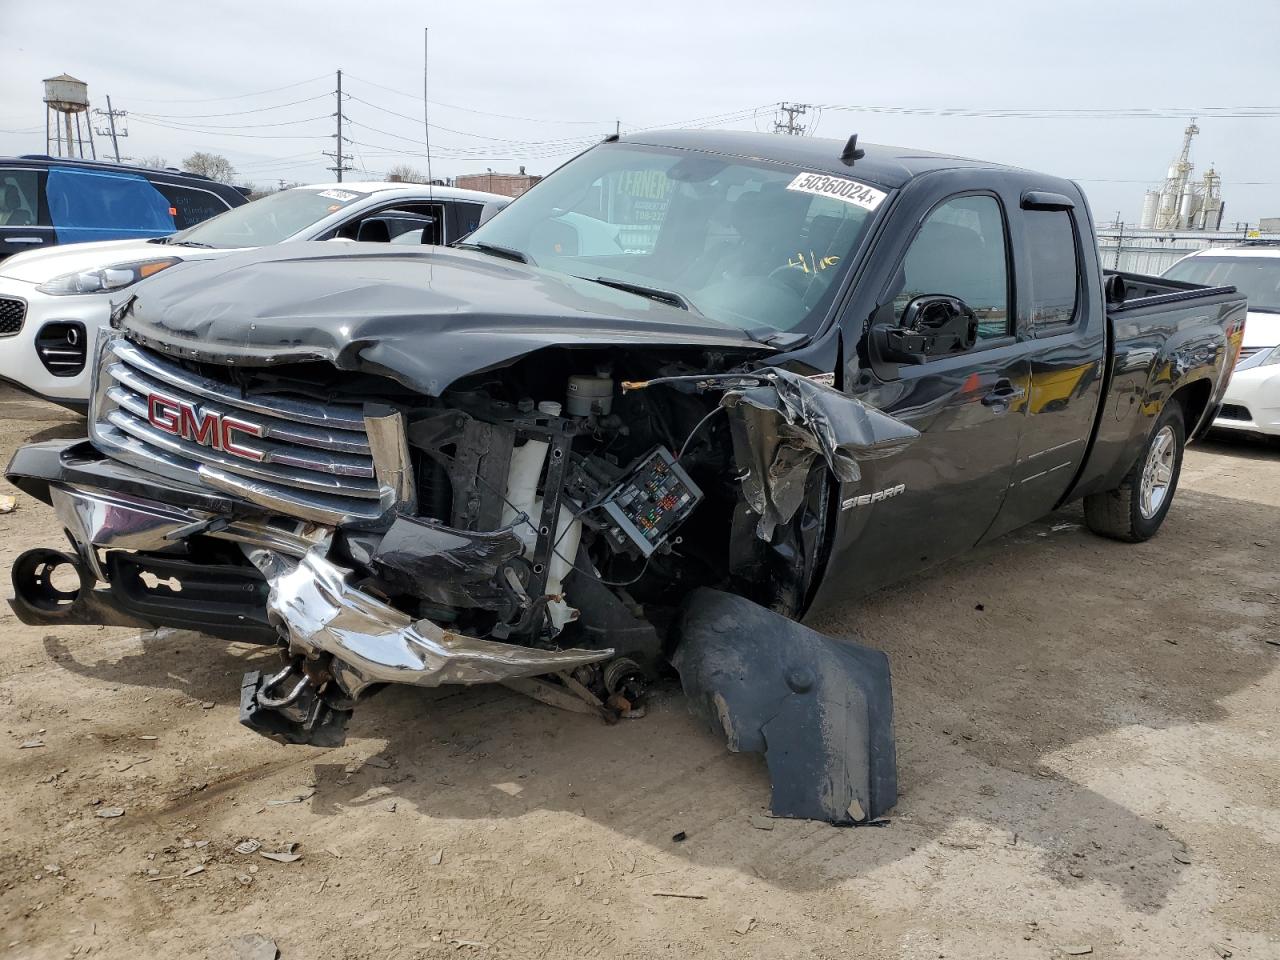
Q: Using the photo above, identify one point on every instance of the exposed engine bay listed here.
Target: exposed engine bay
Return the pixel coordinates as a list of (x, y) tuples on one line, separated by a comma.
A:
[(548, 520)]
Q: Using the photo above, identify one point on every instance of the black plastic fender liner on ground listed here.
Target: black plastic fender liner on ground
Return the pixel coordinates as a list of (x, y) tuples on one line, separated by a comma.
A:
[(818, 708)]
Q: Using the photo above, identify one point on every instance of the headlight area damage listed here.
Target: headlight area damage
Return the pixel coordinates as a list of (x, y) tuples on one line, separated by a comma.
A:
[(544, 526)]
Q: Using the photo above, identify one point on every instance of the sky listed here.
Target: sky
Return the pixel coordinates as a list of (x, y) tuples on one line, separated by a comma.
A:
[(531, 83)]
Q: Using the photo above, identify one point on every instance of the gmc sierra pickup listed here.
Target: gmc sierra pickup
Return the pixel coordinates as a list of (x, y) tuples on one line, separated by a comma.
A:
[(687, 389)]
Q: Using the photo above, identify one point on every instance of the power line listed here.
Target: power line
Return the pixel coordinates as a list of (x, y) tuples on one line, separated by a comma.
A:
[(460, 133), (532, 145), (1063, 113), (242, 126), (235, 96), (483, 113), (225, 133), (232, 113)]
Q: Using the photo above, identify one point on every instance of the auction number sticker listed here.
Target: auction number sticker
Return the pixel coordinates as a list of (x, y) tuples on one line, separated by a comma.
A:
[(338, 195), (838, 188)]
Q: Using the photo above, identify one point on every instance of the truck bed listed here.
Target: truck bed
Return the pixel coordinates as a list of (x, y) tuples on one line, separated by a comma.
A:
[(1135, 291)]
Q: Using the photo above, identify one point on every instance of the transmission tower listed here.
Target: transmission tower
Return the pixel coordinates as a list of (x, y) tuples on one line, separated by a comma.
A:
[(788, 118), (340, 166), (111, 130)]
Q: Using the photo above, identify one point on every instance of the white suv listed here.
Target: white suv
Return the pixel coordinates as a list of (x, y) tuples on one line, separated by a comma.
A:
[(1252, 401), (52, 302)]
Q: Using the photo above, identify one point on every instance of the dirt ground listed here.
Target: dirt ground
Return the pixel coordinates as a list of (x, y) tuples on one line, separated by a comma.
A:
[(1088, 744)]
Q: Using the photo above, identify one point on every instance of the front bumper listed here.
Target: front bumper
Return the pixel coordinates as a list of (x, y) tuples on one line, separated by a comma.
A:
[(125, 523), (1252, 402), (21, 363)]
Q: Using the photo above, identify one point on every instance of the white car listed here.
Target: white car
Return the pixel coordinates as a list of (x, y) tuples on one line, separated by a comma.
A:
[(1252, 400), (52, 302)]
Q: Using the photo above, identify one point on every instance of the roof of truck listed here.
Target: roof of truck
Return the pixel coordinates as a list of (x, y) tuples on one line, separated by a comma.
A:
[(885, 165)]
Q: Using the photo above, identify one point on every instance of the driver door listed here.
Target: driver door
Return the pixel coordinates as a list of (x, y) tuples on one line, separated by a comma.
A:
[(968, 402)]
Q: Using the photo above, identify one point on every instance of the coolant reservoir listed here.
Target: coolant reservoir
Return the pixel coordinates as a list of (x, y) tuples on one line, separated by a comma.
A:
[(527, 463), (589, 394)]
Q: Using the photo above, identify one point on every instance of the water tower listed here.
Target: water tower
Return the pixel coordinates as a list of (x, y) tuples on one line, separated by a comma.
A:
[(65, 99)]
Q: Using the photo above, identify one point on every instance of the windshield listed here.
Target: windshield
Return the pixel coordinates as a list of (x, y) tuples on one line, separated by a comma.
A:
[(749, 244), (271, 219), (1258, 278)]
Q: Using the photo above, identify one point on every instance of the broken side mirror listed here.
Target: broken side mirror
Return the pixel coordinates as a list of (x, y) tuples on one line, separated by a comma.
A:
[(933, 325)]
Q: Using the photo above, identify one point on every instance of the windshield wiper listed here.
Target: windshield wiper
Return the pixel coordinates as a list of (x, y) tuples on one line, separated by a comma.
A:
[(493, 249), (192, 243), (640, 290)]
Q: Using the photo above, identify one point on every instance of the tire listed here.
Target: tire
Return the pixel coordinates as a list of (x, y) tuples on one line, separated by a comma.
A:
[(1124, 513)]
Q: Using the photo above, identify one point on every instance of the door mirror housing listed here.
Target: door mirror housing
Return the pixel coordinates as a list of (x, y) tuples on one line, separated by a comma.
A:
[(933, 325)]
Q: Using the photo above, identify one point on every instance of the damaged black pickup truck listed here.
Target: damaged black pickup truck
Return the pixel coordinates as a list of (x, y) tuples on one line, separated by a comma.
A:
[(687, 389)]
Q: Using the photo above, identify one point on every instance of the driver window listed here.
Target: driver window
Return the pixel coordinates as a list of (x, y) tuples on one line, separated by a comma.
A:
[(960, 252)]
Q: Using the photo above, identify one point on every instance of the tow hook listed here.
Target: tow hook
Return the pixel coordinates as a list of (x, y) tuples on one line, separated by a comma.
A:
[(298, 704)]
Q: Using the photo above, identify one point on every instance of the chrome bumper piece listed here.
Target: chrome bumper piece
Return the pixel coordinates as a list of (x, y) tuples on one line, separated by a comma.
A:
[(372, 642), (311, 599)]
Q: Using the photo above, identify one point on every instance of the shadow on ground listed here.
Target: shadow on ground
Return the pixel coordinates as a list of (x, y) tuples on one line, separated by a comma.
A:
[(1019, 650)]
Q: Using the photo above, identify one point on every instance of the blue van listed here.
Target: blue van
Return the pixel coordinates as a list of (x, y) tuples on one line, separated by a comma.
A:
[(51, 200)]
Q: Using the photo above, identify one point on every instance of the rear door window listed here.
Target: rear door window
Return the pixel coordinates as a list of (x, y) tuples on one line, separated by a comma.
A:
[(105, 205), (1053, 269), (468, 217), (190, 205), (19, 198)]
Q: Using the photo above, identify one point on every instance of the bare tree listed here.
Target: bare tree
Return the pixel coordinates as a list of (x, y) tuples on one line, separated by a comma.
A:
[(154, 161), (212, 165), (403, 173)]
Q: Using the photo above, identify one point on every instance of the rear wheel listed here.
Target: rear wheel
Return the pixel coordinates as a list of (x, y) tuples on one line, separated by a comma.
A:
[(1135, 510)]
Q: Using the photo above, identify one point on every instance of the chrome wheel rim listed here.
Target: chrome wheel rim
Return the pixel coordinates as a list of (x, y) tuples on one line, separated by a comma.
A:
[(1157, 473)]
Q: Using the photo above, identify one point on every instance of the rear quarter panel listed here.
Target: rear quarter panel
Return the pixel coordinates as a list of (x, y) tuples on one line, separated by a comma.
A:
[(1157, 351)]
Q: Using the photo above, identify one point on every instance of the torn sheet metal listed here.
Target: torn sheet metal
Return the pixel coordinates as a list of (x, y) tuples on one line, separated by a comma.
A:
[(458, 568), (372, 642), (782, 424), (819, 709), (392, 463)]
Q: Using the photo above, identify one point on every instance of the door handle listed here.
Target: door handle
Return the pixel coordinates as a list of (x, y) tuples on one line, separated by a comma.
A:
[(1003, 394), (21, 239)]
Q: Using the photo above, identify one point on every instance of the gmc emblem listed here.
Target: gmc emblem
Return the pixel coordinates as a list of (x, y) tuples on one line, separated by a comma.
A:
[(186, 420)]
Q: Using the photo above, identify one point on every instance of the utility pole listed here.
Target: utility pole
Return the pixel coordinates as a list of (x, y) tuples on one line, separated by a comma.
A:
[(792, 112), (339, 166), (111, 131)]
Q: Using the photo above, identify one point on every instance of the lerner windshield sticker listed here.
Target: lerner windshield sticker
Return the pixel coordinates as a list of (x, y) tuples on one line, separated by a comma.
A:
[(838, 188), (338, 195)]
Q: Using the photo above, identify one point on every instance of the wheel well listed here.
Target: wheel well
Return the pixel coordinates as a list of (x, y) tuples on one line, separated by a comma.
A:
[(1194, 398)]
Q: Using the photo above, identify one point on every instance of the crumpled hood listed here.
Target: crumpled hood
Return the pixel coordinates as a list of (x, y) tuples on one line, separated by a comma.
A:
[(423, 317)]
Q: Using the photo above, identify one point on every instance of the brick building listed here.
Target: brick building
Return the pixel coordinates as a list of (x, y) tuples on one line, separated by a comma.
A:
[(503, 184)]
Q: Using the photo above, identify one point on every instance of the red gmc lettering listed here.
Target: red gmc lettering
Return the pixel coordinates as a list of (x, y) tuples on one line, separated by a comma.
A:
[(183, 419), (230, 427), (164, 413), (203, 431)]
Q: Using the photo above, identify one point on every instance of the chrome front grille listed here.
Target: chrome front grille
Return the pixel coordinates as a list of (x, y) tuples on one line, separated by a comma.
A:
[(291, 454)]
